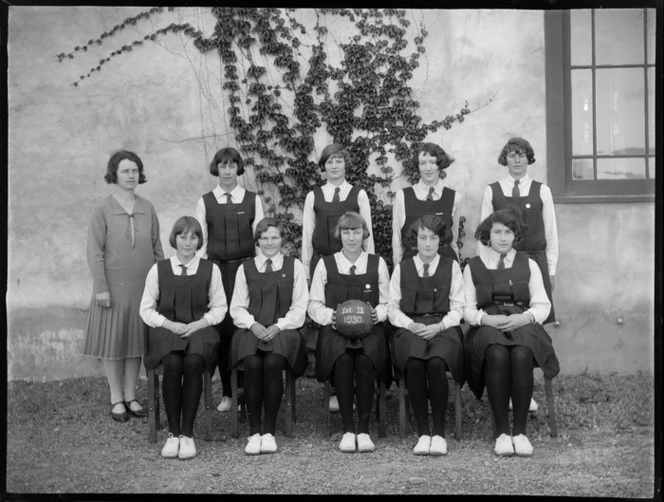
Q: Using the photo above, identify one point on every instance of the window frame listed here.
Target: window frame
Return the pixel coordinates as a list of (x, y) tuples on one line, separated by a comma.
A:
[(564, 188)]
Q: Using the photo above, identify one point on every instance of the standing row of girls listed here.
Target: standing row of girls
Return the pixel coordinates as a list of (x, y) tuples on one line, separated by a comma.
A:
[(186, 298)]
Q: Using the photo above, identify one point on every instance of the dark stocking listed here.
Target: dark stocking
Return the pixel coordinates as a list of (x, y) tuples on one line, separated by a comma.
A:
[(438, 393), (416, 383), (521, 385), (171, 389), (344, 373), (365, 379), (192, 388), (497, 377), (273, 385), (253, 391)]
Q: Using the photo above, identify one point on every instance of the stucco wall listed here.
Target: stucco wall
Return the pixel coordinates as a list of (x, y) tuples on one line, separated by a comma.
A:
[(162, 102)]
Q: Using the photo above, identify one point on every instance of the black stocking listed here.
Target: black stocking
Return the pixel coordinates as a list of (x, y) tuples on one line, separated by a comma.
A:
[(192, 388), (497, 376), (521, 385)]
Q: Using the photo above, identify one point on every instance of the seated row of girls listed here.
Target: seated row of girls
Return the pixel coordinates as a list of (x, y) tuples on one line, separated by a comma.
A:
[(503, 300), (182, 302), (426, 310)]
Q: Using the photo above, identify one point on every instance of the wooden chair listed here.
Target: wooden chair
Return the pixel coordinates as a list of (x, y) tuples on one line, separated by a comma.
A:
[(154, 422), (404, 410), (381, 409), (548, 389), (238, 401)]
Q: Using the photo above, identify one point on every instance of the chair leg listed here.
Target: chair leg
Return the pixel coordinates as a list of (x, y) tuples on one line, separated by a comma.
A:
[(550, 407), (207, 386), (288, 415), (234, 418), (153, 407), (326, 409), (458, 434), (402, 407), (293, 399), (381, 408)]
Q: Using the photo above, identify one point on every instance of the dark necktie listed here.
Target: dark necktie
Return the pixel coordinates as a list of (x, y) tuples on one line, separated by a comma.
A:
[(228, 197), (515, 190), (501, 262), (335, 198), (426, 270), (430, 195), (268, 265), (352, 270), (184, 270)]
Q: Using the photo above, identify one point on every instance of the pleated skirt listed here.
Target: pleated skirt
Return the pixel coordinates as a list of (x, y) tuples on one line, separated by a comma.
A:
[(117, 332), (330, 345), (289, 343), (447, 345), (533, 336)]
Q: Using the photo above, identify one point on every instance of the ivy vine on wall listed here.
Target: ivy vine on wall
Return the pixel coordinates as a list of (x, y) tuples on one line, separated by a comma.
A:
[(280, 88)]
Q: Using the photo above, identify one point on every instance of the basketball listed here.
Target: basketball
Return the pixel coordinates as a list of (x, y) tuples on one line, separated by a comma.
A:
[(354, 319)]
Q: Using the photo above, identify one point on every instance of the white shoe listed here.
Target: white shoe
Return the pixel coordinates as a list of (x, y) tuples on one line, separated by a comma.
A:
[(347, 444), (522, 446), (268, 444), (253, 445), (504, 446), (423, 445), (171, 447), (364, 443), (532, 408), (334, 404), (187, 448), (438, 446), (226, 404)]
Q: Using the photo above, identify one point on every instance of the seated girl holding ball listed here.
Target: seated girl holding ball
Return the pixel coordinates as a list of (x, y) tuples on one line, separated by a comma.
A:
[(351, 274)]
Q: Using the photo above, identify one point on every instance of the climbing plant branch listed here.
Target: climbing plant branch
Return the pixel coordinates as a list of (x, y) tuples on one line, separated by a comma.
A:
[(280, 88)]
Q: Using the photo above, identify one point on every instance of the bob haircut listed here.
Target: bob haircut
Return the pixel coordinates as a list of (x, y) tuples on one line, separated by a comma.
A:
[(443, 159), (264, 224), (183, 225), (333, 149), (226, 154), (518, 145), (509, 217), (433, 223), (351, 220), (111, 175)]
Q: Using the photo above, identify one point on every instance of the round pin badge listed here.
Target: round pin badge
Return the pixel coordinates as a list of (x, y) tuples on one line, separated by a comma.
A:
[(527, 206), (367, 286)]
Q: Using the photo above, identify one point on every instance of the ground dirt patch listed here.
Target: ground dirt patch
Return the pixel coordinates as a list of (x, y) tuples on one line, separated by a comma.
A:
[(61, 439)]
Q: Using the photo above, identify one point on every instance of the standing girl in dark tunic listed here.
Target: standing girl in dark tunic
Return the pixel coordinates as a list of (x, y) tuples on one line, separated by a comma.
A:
[(269, 306), (182, 302), (505, 304), (535, 203), (428, 196), (426, 307), (228, 216), (322, 208), (351, 274)]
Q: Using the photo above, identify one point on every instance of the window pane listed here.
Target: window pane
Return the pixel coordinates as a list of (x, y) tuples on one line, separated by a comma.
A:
[(582, 112), (651, 111), (651, 166), (650, 37), (621, 169), (620, 111), (580, 37), (619, 36), (582, 169)]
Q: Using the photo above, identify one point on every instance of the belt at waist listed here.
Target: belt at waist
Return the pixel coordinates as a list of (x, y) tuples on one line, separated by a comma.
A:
[(230, 261)]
